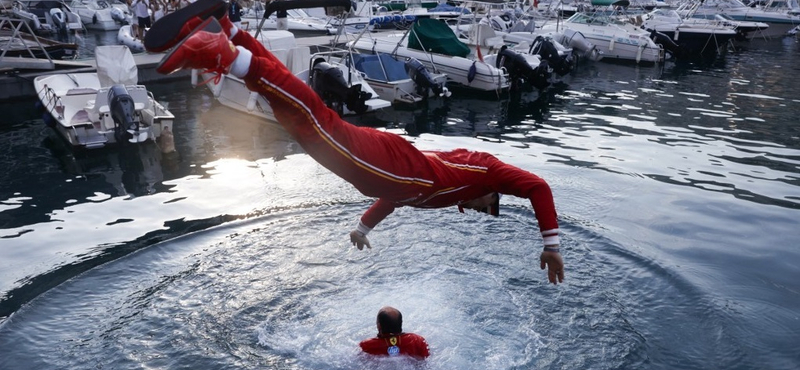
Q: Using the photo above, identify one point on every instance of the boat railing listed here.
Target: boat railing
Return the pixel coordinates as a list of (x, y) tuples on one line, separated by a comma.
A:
[(14, 26), (52, 101)]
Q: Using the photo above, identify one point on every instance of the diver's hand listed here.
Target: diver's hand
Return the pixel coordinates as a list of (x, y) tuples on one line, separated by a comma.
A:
[(551, 258), (359, 239)]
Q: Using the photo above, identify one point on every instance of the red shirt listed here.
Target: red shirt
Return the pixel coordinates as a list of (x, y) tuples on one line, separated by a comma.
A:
[(408, 344)]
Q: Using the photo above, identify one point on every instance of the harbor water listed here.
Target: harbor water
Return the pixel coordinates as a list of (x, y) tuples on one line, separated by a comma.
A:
[(677, 188)]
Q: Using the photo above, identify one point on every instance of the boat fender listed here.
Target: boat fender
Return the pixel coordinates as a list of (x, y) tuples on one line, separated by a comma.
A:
[(611, 44), (217, 89), (94, 18), (167, 140), (251, 101), (473, 70), (639, 53)]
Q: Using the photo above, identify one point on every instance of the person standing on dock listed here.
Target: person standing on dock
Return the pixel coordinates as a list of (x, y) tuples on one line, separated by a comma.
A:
[(141, 11), (379, 164)]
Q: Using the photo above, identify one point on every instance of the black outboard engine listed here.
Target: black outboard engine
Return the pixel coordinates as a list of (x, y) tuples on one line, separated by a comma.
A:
[(547, 51), (123, 112), (58, 17), (519, 70), (419, 74), (329, 83), (667, 43)]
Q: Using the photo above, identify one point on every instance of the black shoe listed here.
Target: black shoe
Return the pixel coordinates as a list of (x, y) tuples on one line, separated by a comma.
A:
[(175, 26)]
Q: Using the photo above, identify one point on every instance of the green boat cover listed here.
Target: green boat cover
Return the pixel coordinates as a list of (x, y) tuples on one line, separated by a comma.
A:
[(435, 36)]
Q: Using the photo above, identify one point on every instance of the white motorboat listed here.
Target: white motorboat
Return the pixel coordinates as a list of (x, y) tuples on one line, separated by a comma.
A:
[(398, 80), (780, 22), (518, 30), (105, 15), (693, 36), (37, 25), (93, 109), (744, 29), (435, 45), (297, 21), (350, 94), (46, 17), (616, 40)]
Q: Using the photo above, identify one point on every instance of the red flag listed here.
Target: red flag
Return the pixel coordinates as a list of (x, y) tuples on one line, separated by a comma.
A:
[(536, 4), (480, 55)]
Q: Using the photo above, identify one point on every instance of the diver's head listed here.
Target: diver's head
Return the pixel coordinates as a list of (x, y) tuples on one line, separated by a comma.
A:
[(390, 321)]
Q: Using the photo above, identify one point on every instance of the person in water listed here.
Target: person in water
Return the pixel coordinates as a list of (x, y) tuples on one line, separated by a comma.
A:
[(391, 340), (379, 164)]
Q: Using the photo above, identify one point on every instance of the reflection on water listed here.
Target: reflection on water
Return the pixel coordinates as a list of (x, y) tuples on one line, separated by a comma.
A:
[(676, 187)]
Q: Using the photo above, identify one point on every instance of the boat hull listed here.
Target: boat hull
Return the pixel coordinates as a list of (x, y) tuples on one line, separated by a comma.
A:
[(486, 77), (78, 108)]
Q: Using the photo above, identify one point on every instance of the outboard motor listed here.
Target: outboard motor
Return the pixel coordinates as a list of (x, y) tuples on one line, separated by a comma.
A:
[(329, 83), (119, 16), (666, 42), (547, 51), (520, 70), (123, 112), (419, 74), (59, 20)]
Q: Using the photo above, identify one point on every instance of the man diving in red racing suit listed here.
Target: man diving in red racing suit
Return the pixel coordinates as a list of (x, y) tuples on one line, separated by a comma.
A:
[(379, 164)]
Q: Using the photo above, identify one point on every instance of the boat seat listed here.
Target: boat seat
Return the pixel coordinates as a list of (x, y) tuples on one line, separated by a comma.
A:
[(81, 116), (81, 91)]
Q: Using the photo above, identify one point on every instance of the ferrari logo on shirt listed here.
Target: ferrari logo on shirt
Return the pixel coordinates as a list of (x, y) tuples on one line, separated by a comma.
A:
[(394, 350)]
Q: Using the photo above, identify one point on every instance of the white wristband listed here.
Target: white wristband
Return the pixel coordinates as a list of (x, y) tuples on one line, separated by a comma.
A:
[(363, 228)]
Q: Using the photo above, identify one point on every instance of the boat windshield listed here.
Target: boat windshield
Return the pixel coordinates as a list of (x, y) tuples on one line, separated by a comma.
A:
[(382, 67), (593, 19), (667, 13), (723, 4)]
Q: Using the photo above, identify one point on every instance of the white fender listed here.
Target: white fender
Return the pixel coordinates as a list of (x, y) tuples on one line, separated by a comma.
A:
[(217, 90), (251, 102)]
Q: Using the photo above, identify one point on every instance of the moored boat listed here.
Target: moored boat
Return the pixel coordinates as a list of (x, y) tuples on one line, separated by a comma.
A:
[(94, 109)]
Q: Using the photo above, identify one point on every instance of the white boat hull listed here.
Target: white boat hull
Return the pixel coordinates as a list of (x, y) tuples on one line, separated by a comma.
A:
[(79, 107), (613, 41), (487, 78)]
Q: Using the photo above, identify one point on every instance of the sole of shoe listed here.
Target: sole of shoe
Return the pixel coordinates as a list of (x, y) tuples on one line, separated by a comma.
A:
[(167, 31), (209, 25)]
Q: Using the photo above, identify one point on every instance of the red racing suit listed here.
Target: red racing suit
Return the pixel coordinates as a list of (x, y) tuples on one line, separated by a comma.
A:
[(385, 165), (408, 344)]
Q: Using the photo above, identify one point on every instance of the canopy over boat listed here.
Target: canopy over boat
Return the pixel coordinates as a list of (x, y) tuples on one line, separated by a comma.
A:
[(434, 36), (115, 65)]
